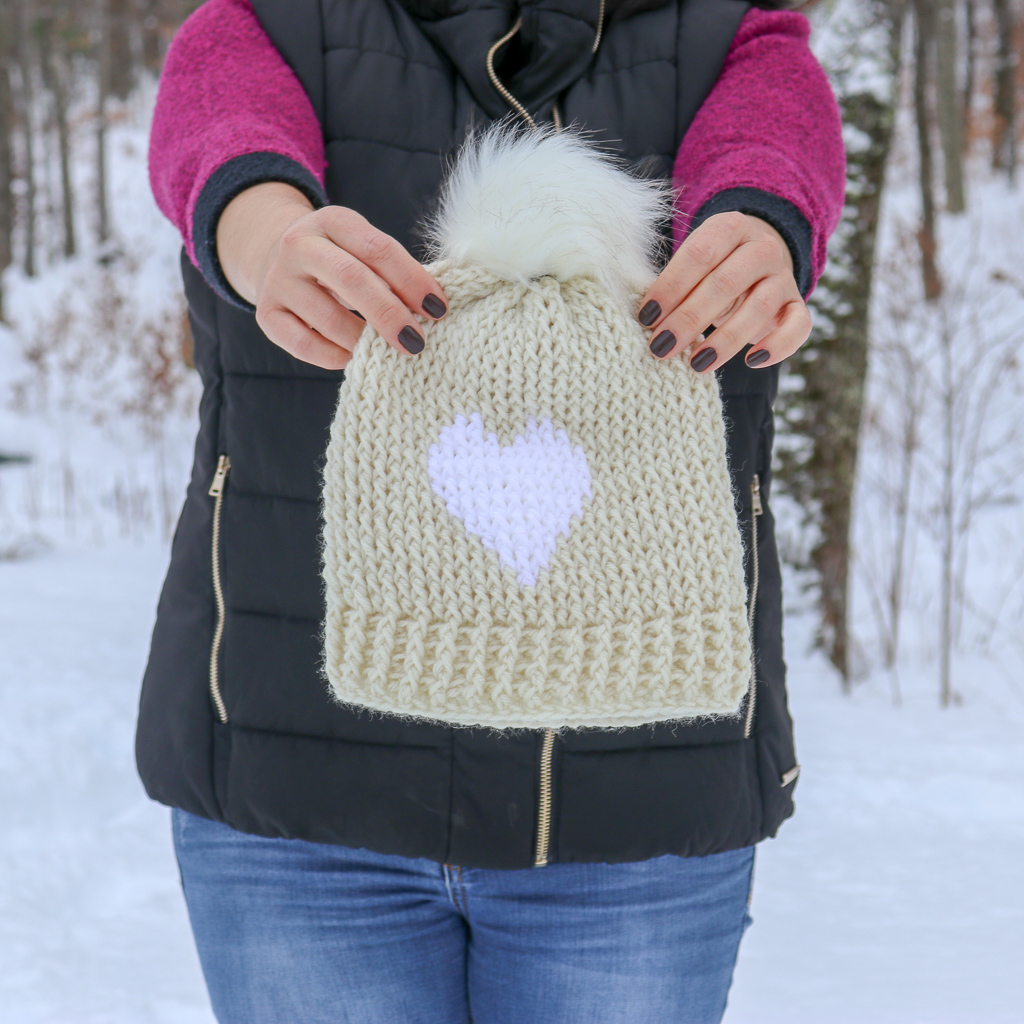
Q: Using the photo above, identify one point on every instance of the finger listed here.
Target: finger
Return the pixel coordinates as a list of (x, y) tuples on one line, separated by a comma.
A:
[(665, 344), (736, 276), (403, 273), (286, 330), (793, 330), (707, 247), (714, 301), (321, 311), (756, 316), (723, 317), (360, 287)]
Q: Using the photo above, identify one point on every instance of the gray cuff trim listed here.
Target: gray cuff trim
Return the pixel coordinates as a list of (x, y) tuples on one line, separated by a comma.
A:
[(221, 187), (780, 213)]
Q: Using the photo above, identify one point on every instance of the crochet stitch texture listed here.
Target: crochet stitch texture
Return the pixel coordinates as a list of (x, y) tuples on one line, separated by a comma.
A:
[(531, 523)]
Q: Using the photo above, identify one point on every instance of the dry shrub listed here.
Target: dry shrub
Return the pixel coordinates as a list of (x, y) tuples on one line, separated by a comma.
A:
[(100, 354)]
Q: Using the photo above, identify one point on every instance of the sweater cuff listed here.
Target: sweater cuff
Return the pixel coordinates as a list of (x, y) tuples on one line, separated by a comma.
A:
[(231, 178), (780, 213)]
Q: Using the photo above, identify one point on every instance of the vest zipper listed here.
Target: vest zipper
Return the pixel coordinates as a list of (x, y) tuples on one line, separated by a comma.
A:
[(544, 805), (600, 28), (507, 96), (756, 509), (216, 492), (496, 81)]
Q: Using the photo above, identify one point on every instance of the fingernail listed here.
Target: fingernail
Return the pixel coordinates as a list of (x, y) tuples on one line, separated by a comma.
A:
[(663, 343), (434, 307), (703, 359), (411, 339), (758, 357), (650, 313)]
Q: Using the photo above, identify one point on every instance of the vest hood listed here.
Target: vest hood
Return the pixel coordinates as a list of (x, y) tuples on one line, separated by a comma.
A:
[(552, 48), (432, 10)]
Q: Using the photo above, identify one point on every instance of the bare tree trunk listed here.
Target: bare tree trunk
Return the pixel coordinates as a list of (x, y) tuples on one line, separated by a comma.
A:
[(949, 107), (102, 90), (152, 50), (824, 413), (834, 383), (948, 534), (1004, 148), (923, 49), (120, 67), (909, 441), (54, 79), (6, 156), (971, 64), (27, 111)]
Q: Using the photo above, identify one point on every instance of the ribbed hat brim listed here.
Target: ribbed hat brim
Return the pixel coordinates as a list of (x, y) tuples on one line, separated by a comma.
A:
[(504, 674)]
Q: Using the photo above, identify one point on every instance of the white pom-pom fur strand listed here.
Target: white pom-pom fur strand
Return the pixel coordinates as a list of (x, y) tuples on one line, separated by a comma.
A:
[(525, 204)]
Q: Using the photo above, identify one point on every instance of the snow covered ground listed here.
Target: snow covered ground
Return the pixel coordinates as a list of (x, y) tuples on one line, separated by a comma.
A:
[(92, 924), (894, 895)]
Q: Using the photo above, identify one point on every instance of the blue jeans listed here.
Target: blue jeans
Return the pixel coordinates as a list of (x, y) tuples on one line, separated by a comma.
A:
[(291, 932)]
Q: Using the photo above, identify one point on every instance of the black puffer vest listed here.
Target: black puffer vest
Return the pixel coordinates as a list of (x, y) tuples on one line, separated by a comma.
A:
[(236, 723)]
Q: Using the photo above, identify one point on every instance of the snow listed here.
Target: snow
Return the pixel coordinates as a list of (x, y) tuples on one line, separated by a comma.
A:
[(893, 895), (92, 387), (92, 923)]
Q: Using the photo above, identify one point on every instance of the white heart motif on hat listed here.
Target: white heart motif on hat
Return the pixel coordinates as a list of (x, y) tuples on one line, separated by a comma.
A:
[(517, 498)]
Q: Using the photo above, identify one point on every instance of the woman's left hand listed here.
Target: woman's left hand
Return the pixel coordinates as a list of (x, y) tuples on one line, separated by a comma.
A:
[(735, 271)]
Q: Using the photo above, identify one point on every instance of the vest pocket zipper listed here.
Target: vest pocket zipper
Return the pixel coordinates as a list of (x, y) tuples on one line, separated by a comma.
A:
[(756, 509), (216, 492), (544, 804)]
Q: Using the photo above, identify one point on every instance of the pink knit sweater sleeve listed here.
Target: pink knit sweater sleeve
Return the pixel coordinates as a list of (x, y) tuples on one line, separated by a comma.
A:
[(771, 124), (225, 94), (231, 113)]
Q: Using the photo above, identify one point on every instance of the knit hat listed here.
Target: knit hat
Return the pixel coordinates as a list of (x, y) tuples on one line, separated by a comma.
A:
[(530, 524)]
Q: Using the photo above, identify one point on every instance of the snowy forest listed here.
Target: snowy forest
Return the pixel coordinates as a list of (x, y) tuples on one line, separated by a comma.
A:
[(894, 894)]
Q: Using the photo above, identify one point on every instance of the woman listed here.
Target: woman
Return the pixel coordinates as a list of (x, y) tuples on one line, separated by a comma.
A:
[(346, 866)]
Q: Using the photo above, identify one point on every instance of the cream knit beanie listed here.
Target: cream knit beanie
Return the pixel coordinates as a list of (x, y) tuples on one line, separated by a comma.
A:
[(530, 524)]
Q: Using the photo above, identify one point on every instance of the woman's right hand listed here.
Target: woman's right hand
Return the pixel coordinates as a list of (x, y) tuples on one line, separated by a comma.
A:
[(306, 270)]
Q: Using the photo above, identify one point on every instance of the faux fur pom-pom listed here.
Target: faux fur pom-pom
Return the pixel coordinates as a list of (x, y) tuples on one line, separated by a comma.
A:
[(525, 204)]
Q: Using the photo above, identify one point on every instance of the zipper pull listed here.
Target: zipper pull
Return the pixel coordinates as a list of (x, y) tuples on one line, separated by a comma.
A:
[(217, 487), (755, 490)]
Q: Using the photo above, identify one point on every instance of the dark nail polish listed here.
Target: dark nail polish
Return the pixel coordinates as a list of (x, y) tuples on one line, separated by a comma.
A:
[(663, 343), (650, 313), (758, 357), (703, 359), (434, 307), (411, 339)]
